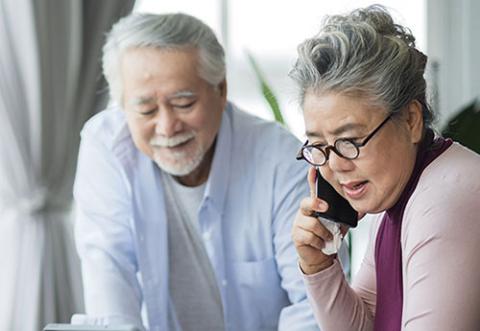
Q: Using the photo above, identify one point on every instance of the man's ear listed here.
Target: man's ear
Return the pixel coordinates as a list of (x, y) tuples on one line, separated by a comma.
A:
[(415, 121), (222, 88)]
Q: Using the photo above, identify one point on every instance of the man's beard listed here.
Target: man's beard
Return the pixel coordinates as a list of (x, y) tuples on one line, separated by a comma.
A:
[(177, 163)]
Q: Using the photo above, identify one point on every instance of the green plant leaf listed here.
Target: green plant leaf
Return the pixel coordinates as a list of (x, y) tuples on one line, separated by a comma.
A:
[(267, 91), (464, 127)]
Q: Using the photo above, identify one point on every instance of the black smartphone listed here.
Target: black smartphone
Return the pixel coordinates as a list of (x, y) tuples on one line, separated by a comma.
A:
[(339, 209)]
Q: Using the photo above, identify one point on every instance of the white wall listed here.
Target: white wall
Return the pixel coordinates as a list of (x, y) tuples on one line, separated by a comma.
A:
[(453, 41)]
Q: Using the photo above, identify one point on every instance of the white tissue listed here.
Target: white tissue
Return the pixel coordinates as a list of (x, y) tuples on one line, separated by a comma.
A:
[(332, 246)]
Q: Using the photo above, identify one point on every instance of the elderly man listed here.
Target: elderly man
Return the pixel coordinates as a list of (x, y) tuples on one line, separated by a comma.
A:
[(185, 203)]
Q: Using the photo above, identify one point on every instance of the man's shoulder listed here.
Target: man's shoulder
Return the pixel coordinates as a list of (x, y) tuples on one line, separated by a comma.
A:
[(250, 122), (261, 132), (263, 147), (108, 126)]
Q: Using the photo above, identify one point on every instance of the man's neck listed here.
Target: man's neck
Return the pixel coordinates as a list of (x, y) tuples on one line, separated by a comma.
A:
[(200, 174)]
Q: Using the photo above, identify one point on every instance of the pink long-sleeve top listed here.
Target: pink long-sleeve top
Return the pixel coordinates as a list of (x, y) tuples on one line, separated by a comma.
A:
[(440, 241)]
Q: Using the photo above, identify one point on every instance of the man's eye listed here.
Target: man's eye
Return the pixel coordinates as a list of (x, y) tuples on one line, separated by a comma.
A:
[(147, 112), (184, 105)]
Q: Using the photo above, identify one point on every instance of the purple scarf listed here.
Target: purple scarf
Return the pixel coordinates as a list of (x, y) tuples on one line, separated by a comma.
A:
[(388, 249)]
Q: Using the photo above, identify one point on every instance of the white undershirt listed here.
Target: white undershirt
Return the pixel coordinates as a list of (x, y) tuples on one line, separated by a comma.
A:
[(193, 288)]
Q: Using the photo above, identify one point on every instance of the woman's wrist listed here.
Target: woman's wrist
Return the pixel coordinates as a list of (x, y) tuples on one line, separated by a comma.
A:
[(310, 269)]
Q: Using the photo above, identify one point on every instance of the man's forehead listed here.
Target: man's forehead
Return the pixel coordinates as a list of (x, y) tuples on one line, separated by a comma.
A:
[(148, 99), (135, 101)]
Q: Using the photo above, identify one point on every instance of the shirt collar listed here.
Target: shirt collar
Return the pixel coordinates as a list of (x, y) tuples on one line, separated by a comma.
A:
[(118, 138), (121, 131), (218, 179), (219, 176)]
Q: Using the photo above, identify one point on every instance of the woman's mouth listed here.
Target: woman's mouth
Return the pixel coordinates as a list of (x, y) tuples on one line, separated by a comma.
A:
[(355, 190)]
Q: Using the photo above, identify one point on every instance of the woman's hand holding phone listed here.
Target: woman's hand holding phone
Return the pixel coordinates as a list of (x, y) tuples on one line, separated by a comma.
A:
[(308, 234)]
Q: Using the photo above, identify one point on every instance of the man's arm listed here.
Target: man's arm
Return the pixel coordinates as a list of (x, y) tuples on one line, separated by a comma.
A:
[(104, 236), (290, 187)]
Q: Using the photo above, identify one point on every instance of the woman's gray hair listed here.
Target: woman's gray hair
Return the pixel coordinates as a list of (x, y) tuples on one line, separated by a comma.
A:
[(167, 31), (365, 54)]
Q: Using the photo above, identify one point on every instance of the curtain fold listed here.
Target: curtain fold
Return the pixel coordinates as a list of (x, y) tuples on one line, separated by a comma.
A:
[(50, 83)]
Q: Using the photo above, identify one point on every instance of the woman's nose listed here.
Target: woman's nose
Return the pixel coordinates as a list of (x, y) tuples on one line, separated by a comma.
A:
[(338, 163)]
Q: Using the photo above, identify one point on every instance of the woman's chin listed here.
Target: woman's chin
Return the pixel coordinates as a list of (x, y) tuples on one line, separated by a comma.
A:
[(362, 207)]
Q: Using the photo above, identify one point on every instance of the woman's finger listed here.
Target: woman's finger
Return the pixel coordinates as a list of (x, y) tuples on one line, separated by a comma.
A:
[(302, 237), (309, 206), (316, 227), (312, 181), (344, 229)]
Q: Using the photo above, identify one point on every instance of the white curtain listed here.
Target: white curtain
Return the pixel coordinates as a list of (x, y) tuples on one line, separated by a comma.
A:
[(50, 83)]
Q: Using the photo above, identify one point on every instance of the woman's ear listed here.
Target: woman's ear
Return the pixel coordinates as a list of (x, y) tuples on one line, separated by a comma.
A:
[(415, 121)]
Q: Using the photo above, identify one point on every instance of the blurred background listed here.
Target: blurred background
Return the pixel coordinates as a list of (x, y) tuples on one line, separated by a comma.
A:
[(51, 83)]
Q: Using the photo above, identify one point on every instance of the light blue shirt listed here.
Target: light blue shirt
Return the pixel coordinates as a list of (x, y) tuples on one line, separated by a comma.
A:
[(245, 218)]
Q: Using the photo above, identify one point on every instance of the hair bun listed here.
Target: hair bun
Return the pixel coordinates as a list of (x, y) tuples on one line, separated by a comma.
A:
[(378, 18)]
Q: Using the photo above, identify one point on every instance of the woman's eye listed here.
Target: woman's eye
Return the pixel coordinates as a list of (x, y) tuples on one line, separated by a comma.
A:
[(319, 144), (352, 139), (355, 141)]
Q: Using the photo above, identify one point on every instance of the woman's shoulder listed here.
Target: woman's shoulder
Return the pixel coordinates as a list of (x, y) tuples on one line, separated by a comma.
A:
[(446, 198), (440, 241), (455, 170)]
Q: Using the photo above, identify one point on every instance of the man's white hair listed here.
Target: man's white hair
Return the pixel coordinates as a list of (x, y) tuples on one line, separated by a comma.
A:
[(168, 31)]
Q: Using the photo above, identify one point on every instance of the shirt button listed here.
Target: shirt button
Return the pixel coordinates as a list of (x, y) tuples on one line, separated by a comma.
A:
[(224, 282)]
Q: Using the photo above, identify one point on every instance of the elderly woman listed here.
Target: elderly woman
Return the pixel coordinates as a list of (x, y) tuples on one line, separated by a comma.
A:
[(369, 133)]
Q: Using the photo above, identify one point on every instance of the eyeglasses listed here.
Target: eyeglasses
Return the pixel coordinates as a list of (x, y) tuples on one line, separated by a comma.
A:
[(317, 154)]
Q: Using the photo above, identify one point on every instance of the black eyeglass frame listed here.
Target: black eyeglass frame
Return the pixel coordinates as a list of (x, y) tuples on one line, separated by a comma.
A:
[(326, 150)]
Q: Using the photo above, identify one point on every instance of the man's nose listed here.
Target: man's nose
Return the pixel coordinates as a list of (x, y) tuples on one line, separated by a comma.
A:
[(166, 123)]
